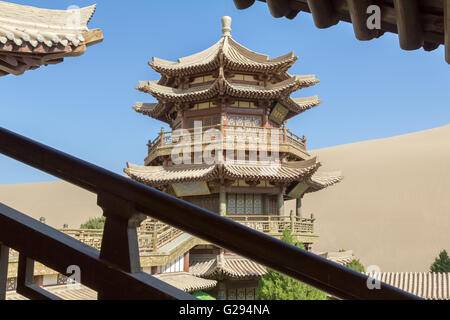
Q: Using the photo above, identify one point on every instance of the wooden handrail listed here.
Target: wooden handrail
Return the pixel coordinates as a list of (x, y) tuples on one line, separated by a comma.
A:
[(58, 251), (122, 199)]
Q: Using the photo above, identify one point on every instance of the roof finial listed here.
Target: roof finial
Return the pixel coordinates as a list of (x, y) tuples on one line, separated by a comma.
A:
[(226, 26)]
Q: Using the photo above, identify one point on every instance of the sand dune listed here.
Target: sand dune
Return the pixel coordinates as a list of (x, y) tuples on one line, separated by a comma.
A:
[(392, 209), (58, 202)]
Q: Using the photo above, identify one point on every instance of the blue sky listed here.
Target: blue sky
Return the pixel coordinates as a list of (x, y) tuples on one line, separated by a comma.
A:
[(83, 106)]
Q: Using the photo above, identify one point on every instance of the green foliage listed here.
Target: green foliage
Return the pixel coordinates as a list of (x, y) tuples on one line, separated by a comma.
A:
[(356, 265), (441, 263), (276, 286), (94, 223)]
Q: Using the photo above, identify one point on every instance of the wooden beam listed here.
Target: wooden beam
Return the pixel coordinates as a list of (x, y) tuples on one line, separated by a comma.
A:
[(243, 4), (278, 8), (93, 37), (358, 14), (447, 30), (409, 26), (323, 13)]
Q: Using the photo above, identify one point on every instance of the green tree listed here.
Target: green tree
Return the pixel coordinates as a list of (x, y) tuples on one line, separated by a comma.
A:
[(356, 265), (94, 223), (276, 286), (441, 263)]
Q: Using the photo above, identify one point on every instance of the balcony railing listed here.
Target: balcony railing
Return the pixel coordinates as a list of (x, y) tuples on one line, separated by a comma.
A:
[(275, 225), (153, 235), (234, 136), (114, 271)]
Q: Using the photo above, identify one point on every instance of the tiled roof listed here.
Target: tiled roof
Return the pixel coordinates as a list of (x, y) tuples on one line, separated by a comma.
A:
[(299, 105), (223, 87), (66, 292), (235, 57), (186, 281), (342, 258), (159, 175), (223, 60), (322, 180), (236, 267), (227, 266), (49, 35), (428, 285)]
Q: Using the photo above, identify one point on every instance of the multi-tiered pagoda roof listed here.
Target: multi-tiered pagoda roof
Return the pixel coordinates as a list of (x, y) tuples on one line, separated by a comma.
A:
[(219, 78)]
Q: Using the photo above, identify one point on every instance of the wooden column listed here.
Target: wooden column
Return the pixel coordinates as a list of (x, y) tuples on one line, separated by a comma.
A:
[(299, 207), (186, 262), (280, 204), (4, 259), (223, 202)]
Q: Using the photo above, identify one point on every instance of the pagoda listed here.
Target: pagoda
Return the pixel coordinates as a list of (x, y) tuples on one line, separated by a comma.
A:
[(240, 94), (229, 151)]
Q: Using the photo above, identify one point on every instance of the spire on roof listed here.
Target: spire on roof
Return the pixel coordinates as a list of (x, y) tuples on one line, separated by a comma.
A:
[(226, 26)]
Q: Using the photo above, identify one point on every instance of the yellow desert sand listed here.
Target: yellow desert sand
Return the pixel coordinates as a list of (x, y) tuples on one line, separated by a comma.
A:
[(392, 209)]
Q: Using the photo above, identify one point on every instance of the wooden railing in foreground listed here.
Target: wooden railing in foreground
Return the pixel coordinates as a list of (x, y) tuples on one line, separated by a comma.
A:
[(152, 235), (115, 271)]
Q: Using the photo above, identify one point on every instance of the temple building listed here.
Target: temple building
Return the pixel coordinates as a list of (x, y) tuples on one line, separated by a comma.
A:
[(229, 150), (32, 37)]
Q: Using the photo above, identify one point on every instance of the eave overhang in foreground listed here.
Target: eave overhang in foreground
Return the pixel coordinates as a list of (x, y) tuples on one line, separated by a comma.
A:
[(31, 37), (419, 24)]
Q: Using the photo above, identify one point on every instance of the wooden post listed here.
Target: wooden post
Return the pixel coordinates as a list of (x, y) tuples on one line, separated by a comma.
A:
[(280, 204), (299, 207), (223, 202), (161, 134), (154, 238), (120, 241), (292, 221), (4, 259), (186, 262)]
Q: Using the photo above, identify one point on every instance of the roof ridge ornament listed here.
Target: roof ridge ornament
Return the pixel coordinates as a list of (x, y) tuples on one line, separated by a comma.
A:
[(226, 26)]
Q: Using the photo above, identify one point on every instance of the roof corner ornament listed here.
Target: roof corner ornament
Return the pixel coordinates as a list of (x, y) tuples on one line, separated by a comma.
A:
[(226, 26)]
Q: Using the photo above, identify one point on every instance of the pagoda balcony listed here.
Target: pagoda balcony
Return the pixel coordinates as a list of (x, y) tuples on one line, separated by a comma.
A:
[(287, 141), (153, 234)]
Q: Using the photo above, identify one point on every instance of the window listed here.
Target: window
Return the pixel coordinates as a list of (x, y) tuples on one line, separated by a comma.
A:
[(248, 121), (203, 106), (202, 79), (243, 104), (244, 204), (206, 121), (243, 77)]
